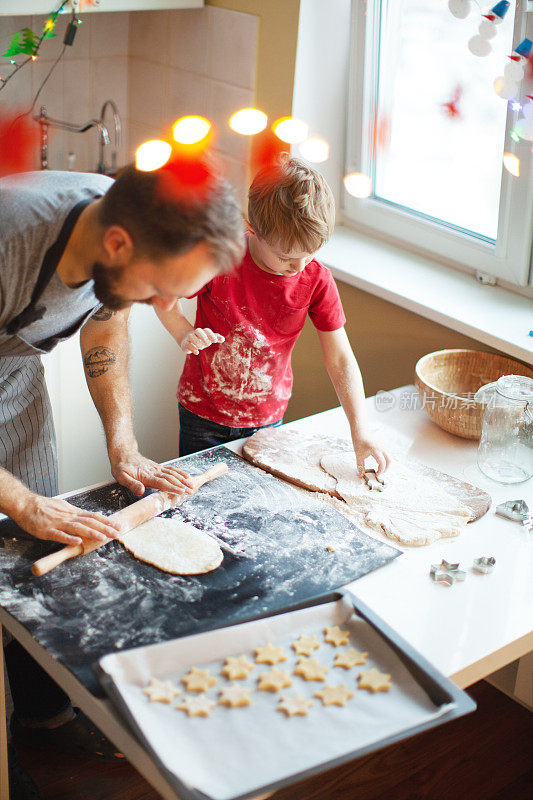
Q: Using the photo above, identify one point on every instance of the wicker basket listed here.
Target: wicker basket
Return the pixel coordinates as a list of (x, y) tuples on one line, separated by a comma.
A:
[(448, 379)]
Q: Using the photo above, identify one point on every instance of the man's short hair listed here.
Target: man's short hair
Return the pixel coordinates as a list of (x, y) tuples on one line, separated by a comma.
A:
[(290, 204), (162, 224)]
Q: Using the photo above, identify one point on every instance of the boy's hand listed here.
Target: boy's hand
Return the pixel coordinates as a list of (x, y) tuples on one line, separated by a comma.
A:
[(364, 447), (199, 339)]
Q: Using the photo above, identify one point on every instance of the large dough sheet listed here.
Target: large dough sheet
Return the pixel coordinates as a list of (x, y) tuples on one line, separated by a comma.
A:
[(241, 750)]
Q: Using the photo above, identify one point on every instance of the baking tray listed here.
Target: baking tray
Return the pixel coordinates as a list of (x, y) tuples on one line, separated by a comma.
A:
[(240, 753)]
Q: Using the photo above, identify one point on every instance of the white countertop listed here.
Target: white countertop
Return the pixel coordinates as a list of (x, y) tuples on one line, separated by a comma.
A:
[(473, 628)]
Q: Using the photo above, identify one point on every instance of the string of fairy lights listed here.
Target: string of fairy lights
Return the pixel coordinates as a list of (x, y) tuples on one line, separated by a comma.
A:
[(195, 131)]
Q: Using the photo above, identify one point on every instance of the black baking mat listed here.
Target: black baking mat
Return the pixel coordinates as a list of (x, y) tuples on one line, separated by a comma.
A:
[(107, 601)]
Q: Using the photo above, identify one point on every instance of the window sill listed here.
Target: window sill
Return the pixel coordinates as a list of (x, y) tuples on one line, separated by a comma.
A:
[(491, 314)]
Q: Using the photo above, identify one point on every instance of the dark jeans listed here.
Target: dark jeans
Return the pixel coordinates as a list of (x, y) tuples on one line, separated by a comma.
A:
[(197, 433)]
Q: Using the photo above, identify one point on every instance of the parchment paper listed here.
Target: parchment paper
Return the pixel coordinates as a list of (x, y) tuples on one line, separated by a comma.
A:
[(240, 750)]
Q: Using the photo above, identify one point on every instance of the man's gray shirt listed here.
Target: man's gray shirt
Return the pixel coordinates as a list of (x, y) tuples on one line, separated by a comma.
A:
[(33, 210)]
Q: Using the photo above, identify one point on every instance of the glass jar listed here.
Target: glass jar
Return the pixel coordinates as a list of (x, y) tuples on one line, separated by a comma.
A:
[(505, 451)]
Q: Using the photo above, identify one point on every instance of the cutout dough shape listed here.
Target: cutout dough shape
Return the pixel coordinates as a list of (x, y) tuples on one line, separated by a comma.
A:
[(295, 706), (334, 695), (269, 654), (198, 680), (374, 680), (173, 546), (350, 658), (411, 509), (305, 645), (161, 691), (196, 706), (237, 667), (336, 636), (310, 669), (234, 695), (274, 680)]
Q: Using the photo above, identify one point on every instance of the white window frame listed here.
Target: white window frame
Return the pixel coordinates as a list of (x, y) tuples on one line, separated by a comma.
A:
[(511, 256)]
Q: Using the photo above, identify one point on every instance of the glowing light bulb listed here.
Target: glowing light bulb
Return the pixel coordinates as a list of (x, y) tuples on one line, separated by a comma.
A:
[(357, 184), (34, 58), (514, 136), (291, 130), (315, 149), (248, 121), (511, 164), (152, 155), (515, 105), (190, 130)]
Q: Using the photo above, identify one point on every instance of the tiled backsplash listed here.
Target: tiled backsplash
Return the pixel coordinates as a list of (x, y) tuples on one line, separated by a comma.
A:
[(156, 66)]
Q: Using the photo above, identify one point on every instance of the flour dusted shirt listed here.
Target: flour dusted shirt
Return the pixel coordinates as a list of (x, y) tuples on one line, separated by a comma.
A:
[(247, 380)]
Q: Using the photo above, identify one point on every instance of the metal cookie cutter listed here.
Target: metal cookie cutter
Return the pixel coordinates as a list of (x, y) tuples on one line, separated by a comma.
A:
[(373, 481), (484, 564), (515, 510), (447, 573), (527, 522)]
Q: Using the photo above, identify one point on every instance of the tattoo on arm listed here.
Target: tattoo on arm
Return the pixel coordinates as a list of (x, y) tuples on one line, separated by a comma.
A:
[(103, 314), (98, 360)]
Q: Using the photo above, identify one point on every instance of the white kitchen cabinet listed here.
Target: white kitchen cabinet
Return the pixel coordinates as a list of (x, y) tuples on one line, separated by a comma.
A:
[(12, 7)]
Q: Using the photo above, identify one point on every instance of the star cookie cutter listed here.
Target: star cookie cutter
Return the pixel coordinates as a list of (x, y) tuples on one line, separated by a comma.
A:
[(373, 480), (484, 564), (515, 510), (446, 573)]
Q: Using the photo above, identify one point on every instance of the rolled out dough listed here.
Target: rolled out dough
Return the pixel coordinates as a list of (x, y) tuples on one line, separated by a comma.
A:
[(173, 546)]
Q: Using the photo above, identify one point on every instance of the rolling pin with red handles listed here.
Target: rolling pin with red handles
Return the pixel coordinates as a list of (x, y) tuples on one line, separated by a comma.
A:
[(129, 518)]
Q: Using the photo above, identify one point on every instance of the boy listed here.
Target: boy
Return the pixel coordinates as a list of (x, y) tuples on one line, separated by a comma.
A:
[(237, 376)]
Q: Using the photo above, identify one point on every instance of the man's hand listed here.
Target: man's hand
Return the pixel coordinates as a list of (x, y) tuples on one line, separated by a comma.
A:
[(364, 446), (138, 473), (56, 520), (198, 339)]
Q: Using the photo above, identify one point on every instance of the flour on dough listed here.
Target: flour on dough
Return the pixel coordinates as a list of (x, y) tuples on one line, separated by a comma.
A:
[(173, 546), (412, 509)]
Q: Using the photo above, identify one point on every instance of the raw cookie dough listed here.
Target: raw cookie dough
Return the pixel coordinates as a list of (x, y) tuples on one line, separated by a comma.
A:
[(412, 509), (305, 645), (237, 667), (310, 669), (269, 654), (196, 706), (198, 680), (161, 691), (274, 680), (295, 705), (374, 680), (350, 658), (234, 695), (334, 695), (336, 636), (173, 546)]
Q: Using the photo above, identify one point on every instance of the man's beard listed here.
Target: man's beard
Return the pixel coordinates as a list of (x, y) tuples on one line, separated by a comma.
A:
[(104, 282)]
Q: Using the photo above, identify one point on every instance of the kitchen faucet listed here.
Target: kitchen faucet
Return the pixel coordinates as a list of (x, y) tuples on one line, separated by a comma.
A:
[(101, 167), (46, 122)]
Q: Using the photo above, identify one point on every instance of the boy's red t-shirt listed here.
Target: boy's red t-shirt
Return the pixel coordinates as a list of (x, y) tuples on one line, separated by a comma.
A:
[(247, 381)]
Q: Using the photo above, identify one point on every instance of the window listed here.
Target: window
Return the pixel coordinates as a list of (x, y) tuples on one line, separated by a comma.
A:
[(426, 125)]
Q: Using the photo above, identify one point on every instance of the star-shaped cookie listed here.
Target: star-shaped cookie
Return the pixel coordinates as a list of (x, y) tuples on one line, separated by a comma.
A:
[(274, 680), (374, 680), (237, 667), (310, 669), (295, 705), (200, 706), (161, 691), (350, 658), (304, 645), (234, 695), (269, 654), (336, 636), (198, 680), (334, 695)]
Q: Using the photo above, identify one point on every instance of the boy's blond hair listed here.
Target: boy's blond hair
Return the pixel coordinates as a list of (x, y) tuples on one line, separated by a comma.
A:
[(291, 205)]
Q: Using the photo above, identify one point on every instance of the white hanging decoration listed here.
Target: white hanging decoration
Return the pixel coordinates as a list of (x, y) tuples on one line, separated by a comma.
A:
[(480, 45), (514, 70), (507, 85), (460, 8), (524, 126), (487, 29), (507, 90)]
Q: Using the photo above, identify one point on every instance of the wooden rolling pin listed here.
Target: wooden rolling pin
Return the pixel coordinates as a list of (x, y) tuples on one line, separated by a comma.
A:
[(129, 518)]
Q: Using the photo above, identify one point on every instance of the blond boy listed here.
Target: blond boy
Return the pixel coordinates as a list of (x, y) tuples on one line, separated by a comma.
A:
[(237, 376)]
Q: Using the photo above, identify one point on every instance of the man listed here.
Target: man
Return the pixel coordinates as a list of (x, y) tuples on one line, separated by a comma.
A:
[(68, 244)]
